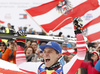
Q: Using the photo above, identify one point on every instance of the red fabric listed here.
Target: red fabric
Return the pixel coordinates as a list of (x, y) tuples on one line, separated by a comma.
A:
[(6, 71), (0, 40), (96, 20), (90, 69), (93, 36)]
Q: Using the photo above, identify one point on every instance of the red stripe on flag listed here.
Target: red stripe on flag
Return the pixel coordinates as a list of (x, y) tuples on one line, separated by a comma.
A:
[(75, 66), (81, 42), (81, 47), (6, 71), (29, 72), (52, 25), (94, 36), (42, 9), (96, 20)]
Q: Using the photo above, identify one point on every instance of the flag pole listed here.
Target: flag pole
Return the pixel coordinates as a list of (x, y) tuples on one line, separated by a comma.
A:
[(36, 22)]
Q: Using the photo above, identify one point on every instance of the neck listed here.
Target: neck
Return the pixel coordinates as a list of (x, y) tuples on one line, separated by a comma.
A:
[(54, 66)]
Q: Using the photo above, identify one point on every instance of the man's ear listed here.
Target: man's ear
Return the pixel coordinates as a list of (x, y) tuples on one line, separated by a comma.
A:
[(59, 55)]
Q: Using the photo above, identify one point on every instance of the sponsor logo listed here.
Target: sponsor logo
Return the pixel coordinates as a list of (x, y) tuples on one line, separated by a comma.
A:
[(22, 16), (88, 16)]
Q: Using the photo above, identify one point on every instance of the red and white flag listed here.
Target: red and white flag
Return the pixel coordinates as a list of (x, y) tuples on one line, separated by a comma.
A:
[(49, 18), (93, 27), (9, 68)]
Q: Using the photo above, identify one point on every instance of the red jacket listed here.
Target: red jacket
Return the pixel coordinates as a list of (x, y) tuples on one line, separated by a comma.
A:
[(89, 67)]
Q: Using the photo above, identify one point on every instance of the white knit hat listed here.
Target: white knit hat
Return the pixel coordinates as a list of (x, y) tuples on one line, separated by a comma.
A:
[(97, 53)]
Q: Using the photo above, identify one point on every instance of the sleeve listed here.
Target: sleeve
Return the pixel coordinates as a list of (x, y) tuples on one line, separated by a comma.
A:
[(74, 64), (84, 65), (20, 55), (97, 66), (6, 54)]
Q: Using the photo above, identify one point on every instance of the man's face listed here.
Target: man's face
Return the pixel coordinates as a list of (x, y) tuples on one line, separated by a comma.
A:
[(50, 56)]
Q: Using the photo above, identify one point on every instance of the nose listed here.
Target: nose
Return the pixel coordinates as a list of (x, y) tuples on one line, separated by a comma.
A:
[(46, 54)]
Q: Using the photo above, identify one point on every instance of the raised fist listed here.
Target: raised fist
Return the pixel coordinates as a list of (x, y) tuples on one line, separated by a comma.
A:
[(78, 24)]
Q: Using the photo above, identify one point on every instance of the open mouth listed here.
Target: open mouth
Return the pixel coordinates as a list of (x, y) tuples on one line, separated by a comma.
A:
[(47, 60)]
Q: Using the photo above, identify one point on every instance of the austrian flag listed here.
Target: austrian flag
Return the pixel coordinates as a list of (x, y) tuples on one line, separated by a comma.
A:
[(55, 14)]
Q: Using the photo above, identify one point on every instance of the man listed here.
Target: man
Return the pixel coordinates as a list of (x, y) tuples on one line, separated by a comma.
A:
[(51, 54)]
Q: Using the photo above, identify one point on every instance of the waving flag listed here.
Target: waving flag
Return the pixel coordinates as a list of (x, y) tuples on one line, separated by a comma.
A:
[(49, 18), (9, 68), (93, 30)]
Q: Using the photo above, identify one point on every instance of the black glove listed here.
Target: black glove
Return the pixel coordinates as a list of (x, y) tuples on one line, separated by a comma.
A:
[(78, 24)]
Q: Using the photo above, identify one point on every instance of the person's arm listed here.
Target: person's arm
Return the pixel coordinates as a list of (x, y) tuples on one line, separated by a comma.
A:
[(29, 67), (74, 64), (97, 66), (84, 65), (20, 55), (6, 54)]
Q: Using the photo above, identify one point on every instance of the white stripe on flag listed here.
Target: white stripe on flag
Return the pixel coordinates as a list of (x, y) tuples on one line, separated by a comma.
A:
[(47, 17), (18, 55), (81, 45), (94, 28), (99, 2)]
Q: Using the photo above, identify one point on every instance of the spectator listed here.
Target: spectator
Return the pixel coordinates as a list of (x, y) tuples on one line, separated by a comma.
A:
[(31, 56), (97, 66), (90, 65), (31, 31), (10, 53), (34, 44), (2, 47)]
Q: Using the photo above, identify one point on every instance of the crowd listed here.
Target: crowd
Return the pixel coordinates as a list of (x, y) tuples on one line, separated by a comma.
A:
[(34, 54)]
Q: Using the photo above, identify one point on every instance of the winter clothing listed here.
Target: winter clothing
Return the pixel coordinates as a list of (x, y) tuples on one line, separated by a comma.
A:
[(7, 56), (89, 67)]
